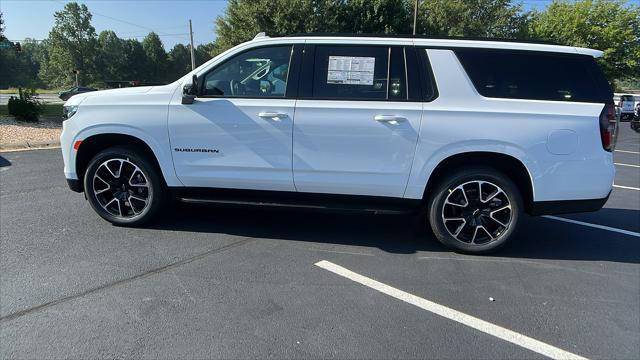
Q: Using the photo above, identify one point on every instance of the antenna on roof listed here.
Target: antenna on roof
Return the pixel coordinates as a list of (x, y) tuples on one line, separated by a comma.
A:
[(260, 35)]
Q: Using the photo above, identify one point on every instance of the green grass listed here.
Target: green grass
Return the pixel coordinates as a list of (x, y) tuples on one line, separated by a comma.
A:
[(48, 110), (38, 91)]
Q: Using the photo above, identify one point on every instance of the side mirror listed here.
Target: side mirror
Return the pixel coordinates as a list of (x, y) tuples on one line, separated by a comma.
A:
[(190, 91)]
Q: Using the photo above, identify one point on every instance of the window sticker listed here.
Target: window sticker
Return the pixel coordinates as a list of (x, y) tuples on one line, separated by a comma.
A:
[(351, 70)]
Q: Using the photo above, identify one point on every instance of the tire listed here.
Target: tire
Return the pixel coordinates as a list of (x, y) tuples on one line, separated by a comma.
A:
[(487, 223), (124, 187)]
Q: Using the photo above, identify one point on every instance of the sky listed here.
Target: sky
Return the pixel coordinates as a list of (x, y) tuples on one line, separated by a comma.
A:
[(128, 18), (134, 18)]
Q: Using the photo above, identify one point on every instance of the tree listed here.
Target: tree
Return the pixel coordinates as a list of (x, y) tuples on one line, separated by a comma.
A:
[(610, 26), (2, 38), (156, 58), (473, 18), (203, 53), (112, 61), (135, 60), (243, 19), (73, 45), (375, 17), (179, 61)]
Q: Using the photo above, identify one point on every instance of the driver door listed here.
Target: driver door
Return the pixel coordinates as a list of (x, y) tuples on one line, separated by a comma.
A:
[(238, 133)]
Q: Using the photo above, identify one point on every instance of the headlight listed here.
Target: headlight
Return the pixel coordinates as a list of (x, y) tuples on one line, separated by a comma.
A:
[(69, 111)]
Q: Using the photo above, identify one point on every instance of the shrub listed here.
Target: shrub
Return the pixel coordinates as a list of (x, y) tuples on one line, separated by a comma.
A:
[(25, 107)]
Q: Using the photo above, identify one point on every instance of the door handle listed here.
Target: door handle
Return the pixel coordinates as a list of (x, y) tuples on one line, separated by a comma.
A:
[(393, 119), (272, 115)]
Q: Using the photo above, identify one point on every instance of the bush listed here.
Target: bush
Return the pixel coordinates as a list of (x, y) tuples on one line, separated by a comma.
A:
[(25, 107)]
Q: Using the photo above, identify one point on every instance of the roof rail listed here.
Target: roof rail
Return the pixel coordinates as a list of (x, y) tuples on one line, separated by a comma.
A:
[(435, 37), (260, 35)]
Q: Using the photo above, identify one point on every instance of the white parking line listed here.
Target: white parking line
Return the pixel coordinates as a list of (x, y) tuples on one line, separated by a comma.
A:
[(628, 152), (626, 187), (451, 314), (601, 227), (629, 165)]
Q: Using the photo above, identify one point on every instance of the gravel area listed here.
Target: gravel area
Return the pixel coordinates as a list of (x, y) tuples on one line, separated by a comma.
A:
[(14, 132)]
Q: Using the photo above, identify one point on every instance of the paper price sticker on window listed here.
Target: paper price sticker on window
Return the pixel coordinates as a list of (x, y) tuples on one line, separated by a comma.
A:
[(351, 70)]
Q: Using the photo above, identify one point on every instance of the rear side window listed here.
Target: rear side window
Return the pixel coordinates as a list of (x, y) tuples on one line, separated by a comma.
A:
[(359, 73), (536, 76)]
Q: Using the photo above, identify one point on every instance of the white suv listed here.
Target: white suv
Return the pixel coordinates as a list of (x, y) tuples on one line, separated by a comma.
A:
[(474, 132)]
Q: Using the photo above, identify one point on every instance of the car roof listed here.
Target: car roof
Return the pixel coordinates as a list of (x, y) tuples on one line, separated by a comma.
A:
[(436, 42)]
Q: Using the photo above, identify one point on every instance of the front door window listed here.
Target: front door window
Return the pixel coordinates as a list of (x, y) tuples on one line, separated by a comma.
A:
[(261, 72)]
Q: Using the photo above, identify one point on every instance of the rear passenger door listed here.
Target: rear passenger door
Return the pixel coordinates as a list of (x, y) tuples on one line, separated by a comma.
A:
[(357, 120)]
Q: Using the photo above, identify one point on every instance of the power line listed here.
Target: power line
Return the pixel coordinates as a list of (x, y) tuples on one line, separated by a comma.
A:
[(116, 19)]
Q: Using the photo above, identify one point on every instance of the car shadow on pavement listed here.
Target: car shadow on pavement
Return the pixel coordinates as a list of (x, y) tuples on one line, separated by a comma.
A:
[(537, 239), (4, 162)]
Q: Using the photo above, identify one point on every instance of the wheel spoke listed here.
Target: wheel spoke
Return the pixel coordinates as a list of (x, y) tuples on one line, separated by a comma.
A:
[(106, 166), (120, 169), (491, 196), (500, 209), (460, 227), (471, 212), (101, 179), (128, 185), (139, 172), (103, 190), (497, 221), (464, 195)]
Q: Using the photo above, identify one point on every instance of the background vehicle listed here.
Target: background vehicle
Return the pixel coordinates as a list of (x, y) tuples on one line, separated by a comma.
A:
[(635, 123), (65, 95), (626, 105), (388, 125)]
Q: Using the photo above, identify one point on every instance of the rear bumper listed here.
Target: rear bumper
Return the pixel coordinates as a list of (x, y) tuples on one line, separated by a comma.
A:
[(567, 206), (75, 185)]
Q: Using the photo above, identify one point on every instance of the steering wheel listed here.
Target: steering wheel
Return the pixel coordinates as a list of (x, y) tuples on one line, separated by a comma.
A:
[(235, 87)]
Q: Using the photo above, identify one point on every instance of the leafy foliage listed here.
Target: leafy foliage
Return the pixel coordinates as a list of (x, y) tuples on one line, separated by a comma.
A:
[(156, 64), (25, 107), (608, 25), (475, 18), (612, 26), (73, 44), (243, 19), (111, 62), (2, 38)]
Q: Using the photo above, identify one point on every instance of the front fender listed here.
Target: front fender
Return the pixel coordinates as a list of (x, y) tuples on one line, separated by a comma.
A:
[(157, 141)]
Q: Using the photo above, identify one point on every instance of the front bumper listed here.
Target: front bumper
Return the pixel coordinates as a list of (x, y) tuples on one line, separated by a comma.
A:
[(75, 185), (567, 206)]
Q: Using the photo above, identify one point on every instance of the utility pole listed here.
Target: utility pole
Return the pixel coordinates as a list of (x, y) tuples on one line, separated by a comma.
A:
[(415, 17), (193, 59)]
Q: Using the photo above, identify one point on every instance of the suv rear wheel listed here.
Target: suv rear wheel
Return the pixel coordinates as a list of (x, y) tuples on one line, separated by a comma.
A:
[(475, 210), (123, 186)]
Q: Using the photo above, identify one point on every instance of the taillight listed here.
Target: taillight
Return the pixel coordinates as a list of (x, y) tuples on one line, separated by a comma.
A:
[(608, 126)]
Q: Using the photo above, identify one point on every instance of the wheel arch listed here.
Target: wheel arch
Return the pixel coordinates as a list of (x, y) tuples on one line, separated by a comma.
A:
[(93, 144), (507, 164)]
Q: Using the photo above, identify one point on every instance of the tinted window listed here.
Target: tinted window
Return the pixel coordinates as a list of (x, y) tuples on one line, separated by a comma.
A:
[(537, 76), (261, 72), (359, 72)]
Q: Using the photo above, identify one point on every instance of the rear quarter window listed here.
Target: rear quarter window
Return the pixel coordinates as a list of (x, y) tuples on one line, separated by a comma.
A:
[(535, 75)]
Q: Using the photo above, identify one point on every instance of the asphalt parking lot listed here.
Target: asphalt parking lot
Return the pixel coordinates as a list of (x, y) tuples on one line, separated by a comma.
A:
[(217, 282)]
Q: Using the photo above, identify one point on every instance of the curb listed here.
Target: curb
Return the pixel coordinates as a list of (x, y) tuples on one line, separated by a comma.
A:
[(30, 145)]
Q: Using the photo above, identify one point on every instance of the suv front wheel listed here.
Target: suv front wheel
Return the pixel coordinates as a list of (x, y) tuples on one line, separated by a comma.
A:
[(475, 210), (123, 186)]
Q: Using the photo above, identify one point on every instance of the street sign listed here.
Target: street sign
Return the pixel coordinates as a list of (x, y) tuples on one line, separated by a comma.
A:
[(6, 45)]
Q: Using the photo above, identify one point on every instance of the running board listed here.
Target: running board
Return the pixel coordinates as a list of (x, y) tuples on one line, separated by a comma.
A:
[(283, 199)]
